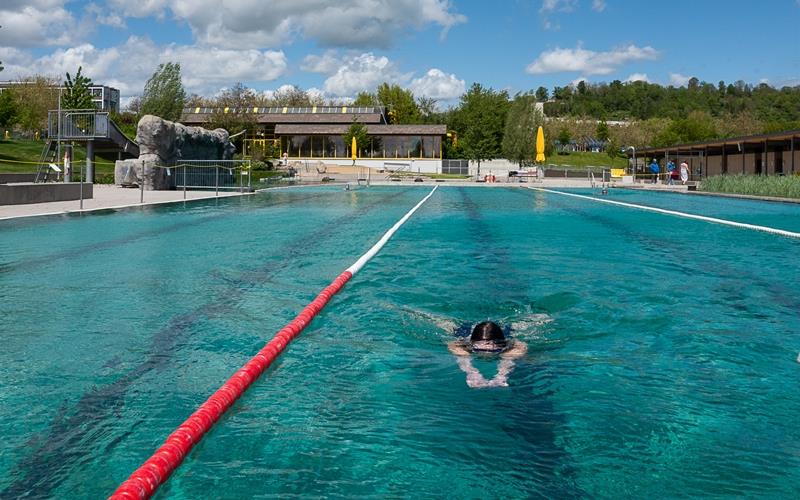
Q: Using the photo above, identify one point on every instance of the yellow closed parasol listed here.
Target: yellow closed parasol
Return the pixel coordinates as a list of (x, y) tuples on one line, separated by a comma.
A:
[(540, 145), (354, 149)]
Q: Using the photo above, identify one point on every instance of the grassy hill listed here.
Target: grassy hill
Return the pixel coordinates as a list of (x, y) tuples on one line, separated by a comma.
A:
[(22, 155), (582, 160)]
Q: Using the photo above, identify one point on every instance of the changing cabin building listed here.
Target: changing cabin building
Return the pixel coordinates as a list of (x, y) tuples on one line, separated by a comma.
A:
[(767, 154), (315, 133)]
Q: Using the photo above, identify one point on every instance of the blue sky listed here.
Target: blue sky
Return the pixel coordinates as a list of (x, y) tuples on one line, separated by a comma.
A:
[(436, 48)]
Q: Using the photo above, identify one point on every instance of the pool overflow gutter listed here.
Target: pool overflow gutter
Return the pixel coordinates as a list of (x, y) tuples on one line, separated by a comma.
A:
[(143, 482), (714, 220)]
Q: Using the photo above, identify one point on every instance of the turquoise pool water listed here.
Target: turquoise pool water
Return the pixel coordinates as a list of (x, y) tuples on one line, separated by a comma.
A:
[(662, 353)]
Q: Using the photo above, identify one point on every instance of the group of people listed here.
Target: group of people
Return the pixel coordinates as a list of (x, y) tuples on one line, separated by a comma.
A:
[(681, 173)]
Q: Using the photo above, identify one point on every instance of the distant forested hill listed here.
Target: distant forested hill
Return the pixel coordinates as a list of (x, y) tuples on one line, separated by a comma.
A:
[(775, 108)]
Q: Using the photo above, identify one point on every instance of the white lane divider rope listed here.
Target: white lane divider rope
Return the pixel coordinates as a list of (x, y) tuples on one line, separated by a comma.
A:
[(356, 267), (714, 220)]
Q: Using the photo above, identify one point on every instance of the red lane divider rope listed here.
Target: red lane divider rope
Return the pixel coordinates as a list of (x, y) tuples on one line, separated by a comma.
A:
[(150, 475)]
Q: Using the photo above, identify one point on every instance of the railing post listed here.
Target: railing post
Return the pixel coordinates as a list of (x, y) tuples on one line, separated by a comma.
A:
[(216, 183), (141, 185), (184, 182)]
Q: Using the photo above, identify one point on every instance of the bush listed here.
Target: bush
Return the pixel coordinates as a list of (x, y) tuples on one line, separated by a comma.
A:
[(754, 185)]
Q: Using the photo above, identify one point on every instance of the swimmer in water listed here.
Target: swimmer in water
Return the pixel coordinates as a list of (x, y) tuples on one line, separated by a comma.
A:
[(487, 338)]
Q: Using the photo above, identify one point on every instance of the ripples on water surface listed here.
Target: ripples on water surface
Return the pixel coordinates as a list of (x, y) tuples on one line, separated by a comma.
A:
[(661, 354)]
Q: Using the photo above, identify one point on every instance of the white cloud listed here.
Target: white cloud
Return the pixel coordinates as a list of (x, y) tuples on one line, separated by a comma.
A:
[(104, 16), (253, 23), (600, 5), (638, 77), (36, 23), (128, 66), (588, 62), (678, 80), (549, 6), (328, 63), (363, 72), (438, 85)]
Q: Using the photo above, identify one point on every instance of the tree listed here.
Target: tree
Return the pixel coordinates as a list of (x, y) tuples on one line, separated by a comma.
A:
[(427, 107), (365, 98), (164, 95), (402, 106), (8, 109), (564, 136), (35, 97), (293, 97), (602, 130), (542, 94), (480, 122), (232, 109), (359, 131), (612, 150), (522, 122), (76, 92)]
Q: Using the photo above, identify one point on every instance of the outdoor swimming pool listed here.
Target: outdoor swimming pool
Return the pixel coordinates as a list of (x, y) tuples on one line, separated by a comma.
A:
[(665, 365)]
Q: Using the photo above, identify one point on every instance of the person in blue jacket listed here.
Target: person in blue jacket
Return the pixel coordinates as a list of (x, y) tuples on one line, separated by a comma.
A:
[(670, 173), (655, 170)]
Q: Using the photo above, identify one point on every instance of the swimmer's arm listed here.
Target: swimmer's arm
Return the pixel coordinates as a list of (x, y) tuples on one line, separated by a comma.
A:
[(474, 377), (517, 350), (458, 348)]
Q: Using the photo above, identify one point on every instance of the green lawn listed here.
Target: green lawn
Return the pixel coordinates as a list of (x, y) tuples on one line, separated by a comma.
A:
[(22, 155), (583, 160)]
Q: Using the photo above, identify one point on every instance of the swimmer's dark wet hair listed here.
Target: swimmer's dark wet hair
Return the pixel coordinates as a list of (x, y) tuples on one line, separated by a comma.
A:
[(488, 330)]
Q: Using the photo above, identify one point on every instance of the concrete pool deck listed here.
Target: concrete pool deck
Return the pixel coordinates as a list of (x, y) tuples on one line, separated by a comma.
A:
[(107, 197)]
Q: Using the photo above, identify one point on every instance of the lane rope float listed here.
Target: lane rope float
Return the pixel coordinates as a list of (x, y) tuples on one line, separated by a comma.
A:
[(725, 222), (145, 480)]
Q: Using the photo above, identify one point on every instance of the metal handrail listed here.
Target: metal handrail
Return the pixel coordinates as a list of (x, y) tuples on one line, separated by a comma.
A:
[(78, 124)]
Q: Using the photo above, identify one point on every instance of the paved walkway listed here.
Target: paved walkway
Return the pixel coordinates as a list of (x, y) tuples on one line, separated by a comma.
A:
[(105, 197)]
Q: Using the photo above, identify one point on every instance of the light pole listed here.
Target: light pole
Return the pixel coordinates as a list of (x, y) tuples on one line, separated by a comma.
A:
[(67, 175), (633, 168)]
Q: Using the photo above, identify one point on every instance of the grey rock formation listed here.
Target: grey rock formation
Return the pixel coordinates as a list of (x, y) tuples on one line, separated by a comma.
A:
[(163, 143)]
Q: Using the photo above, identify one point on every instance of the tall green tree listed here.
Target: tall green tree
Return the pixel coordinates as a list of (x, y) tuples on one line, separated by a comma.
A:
[(164, 94), (238, 100), (8, 109), (359, 131), (365, 98), (519, 138), (76, 93), (402, 107), (542, 94), (602, 130), (480, 122)]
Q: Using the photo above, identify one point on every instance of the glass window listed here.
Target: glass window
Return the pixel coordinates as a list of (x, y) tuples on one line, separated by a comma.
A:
[(334, 147), (430, 146), (318, 146), (391, 146), (300, 145)]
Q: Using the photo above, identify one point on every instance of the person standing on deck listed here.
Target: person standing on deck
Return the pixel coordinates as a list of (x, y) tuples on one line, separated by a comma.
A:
[(670, 171), (684, 172), (655, 169)]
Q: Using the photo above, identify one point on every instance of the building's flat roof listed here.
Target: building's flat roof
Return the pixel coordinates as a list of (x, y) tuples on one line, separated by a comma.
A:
[(730, 141), (313, 129), (294, 118)]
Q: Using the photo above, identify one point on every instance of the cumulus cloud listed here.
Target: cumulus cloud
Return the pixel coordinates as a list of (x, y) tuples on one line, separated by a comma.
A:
[(36, 23), (638, 77), (678, 80), (104, 16), (346, 23), (600, 5), (128, 66), (438, 85), (326, 64), (363, 72), (588, 62)]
